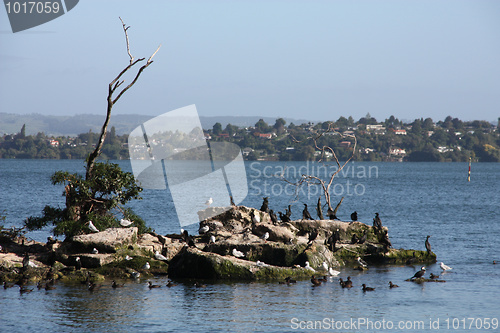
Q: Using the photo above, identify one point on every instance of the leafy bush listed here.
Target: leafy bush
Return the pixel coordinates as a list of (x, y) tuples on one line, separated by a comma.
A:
[(95, 199)]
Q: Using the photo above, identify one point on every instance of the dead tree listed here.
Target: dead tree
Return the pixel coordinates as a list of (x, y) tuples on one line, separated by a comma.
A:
[(113, 98), (316, 180)]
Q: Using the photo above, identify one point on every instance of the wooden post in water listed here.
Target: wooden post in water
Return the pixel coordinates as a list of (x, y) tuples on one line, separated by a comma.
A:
[(468, 177)]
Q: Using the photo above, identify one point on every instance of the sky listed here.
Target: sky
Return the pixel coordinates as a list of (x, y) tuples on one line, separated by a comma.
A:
[(316, 60)]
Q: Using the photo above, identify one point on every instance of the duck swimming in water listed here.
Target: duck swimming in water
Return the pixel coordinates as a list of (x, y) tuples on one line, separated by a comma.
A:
[(365, 288)]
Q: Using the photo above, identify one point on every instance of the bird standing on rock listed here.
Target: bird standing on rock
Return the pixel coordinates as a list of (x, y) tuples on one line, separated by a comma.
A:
[(238, 254), (305, 213), (125, 223), (265, 205), (354, 216), (274, 218), (204, 229), (312, 236), (159, 256), (377, 223), (428, 245), (255, 218), (209, 201), (331, 214), (265, 236), (419, 274), (319, 211), (146, 266), (361, 262), (92, 227)]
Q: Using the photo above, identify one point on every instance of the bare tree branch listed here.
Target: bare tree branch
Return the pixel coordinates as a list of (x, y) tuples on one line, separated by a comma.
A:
[(113, 85), (315, 180)]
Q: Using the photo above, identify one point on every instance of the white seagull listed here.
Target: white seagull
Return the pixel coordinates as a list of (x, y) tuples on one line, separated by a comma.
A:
[(136, 275), (444, 267), (204, 229), (127, 257), (92, 227), (255, 218), (309, 267), (325, 266), (125, 223), (209, 201), (146, 266), (261, 264), (362, 262), (265, 236), (238, 254), (94, 251), (212, 239), (160, 256), (333, 272)]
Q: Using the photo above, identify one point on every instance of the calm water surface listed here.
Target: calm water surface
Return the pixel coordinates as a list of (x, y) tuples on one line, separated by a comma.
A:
[(413, 199)]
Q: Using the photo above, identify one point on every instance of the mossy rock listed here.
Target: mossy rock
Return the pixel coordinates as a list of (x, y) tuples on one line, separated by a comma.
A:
[(120, 268), (409, 257)]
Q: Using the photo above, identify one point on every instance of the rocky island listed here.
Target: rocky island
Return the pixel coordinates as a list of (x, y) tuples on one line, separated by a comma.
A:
[(233, 245)]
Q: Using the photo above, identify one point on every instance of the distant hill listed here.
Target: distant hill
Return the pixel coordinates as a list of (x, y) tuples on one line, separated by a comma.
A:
[(123, 123)]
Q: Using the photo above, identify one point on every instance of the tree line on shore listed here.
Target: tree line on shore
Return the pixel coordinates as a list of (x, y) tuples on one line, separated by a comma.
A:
[(451, 140)]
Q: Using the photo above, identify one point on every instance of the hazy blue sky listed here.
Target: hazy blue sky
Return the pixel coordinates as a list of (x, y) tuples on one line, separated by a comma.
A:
[(304, 59)]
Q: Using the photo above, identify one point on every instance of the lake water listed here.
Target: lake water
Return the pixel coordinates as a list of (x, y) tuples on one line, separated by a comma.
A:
[(413, 199)]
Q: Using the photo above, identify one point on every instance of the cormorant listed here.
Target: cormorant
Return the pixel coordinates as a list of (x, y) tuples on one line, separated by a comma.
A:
[(419, 274), (384, 240), (231, 200), (354, 239), (187, 238), (305, 213), (331, 214), (354, 216), (288, 212), (333, 239), (274, 218), (318, 209), (312, 236), (391, 285), (26, 261), (428, 245), (284, 218), (377, 223), (265, 205), (362, 240)]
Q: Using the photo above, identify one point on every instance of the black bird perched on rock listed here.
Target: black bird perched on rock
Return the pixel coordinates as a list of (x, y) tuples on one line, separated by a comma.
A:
[(187, 238), (333, 239), (318, 209), (362, 240), (312, 236), (26, 261), (331, 214), (305, 213), (377, 223), (284, 218), (288, 212), (265, 205), (419, 274), (354, 216), (273, 216), (354, 239), (231, 200), (384, 240), (428, 245)]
